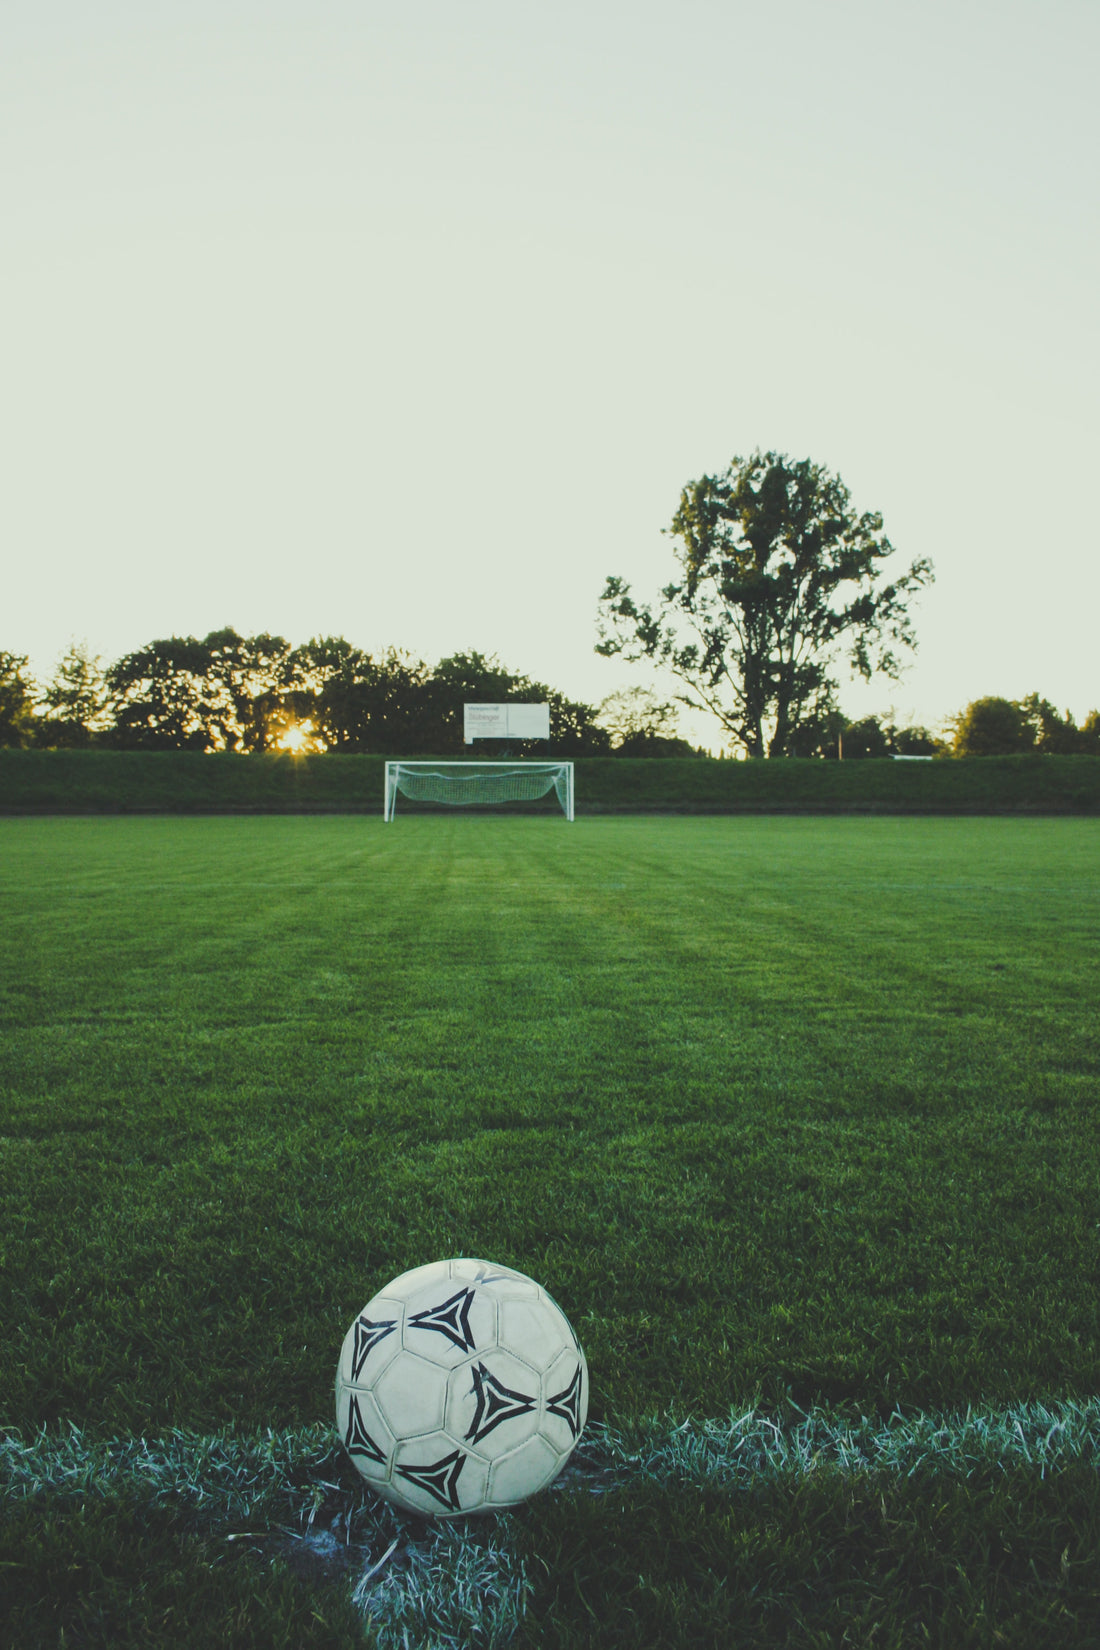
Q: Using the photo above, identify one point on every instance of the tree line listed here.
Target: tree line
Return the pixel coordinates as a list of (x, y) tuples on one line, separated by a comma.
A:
[(777, 581), (230, 692), (990, 726), (257, 693), (1009, 727)]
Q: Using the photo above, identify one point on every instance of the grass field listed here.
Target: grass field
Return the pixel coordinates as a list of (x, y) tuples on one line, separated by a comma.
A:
[(797, 1118)]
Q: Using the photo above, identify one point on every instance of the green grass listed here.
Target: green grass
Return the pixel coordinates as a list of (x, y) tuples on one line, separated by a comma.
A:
[(953, 1531), (783, 1111)]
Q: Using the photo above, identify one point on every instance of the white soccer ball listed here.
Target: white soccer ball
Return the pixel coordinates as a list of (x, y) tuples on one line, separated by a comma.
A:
[(461, 1388)]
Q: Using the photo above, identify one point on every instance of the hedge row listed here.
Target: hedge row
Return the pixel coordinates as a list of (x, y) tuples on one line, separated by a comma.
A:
[(59, 782)]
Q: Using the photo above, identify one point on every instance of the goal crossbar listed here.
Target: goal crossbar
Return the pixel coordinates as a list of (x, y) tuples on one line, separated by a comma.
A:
[(467, 784)]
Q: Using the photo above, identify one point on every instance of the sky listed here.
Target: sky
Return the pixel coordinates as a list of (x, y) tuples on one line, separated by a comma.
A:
[(410, 323)]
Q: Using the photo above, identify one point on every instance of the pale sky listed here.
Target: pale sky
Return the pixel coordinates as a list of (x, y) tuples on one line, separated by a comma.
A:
[(409, 322)]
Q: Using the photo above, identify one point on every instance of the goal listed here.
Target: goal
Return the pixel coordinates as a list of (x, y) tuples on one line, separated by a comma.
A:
[(468, 784)]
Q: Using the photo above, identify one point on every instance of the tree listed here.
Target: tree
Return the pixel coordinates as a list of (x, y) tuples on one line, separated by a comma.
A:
[(637, 713), (642, 725), (1004, 727), (864, 738), (1052, 734), (75, 702), (833, 736), (475, 678), (361, 703), (328, 670), (821, 730), (17, 699), (470, 677), (574, 729), (247, 693), (226, 692), (156, 697), (777, 577), (914, 741), (1089, 734), (245, 681), (992, 727)]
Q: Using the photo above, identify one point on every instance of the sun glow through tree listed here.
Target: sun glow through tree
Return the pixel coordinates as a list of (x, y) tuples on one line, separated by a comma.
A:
[(298, 739)]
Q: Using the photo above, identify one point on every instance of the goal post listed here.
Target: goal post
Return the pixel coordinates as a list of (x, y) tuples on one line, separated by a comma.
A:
[(472, 784)]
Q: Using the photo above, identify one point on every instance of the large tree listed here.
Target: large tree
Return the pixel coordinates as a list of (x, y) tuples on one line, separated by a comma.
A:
[(226, 692), (778, 578)]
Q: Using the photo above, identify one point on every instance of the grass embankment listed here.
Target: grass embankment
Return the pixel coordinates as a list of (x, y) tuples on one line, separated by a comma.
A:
[(783, 1112), (42, 782)]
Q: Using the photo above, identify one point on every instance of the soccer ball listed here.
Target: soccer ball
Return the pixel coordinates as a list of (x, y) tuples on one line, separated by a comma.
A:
[(461, 1388)]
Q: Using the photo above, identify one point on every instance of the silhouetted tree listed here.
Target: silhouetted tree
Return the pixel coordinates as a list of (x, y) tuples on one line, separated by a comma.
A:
[(913, 741), (1052, 734), (474, 678), (157, 699), (246, 682), (384, 705), (864, 738), (992, 727), (226, 692), (1088, 734), (1005, 727), (834, 735), (18, 693), (640, 724), (777, 577), (75, 704), (574, 730)]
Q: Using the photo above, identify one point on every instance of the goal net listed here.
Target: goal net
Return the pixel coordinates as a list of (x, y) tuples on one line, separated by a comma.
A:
[(472, 784)]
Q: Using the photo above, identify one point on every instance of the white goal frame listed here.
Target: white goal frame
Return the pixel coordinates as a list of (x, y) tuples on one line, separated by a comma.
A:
[(444, 770)]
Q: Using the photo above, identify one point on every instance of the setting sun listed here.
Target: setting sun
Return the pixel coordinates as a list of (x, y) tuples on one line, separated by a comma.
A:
[(298, 738)]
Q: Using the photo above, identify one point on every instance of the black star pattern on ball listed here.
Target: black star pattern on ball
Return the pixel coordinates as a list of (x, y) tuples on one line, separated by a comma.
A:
[(357, 1440), (567, 1403), (439, 1478), (367, 1336), (452, 1319), (494, 1403)]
